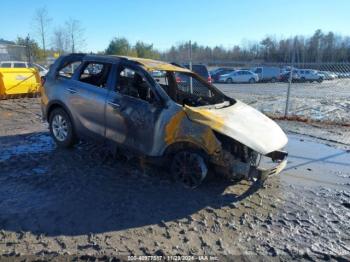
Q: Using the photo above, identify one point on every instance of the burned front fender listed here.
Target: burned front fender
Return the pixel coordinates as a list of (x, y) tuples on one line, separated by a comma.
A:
[(180, 129), (242, 123)]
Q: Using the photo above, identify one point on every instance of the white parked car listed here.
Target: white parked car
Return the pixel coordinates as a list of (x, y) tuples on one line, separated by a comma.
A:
[(239, 76), (328, 75), (310, 75), (20, 64)]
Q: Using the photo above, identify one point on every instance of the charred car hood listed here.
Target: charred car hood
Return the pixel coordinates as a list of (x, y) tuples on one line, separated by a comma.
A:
[(242, 123)]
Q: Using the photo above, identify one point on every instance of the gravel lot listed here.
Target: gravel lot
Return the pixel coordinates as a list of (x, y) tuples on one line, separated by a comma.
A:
[(327, 101), (83, 202)]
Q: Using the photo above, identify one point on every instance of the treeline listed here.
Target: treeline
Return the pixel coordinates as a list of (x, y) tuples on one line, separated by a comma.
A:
[(320, 47), (121, 46)]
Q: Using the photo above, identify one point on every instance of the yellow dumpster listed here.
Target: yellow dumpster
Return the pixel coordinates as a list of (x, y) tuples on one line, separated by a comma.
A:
[(17, 81)]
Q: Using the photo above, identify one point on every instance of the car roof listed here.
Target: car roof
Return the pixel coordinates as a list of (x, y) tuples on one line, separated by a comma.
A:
[(152, 65), (148, 64)]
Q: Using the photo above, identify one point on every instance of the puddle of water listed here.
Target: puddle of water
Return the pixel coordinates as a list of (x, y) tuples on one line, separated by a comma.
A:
[(312, 163), (37, 143)]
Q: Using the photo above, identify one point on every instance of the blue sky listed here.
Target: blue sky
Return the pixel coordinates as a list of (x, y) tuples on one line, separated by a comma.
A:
[(163, 23)]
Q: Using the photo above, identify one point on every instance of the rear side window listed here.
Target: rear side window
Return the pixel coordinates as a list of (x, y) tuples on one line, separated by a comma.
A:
[(6, 65), (95, 74), (68, 70), (19, 65), (134, 84)]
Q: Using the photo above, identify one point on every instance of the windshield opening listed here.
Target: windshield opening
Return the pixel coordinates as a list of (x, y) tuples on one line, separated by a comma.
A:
[(189, 89)]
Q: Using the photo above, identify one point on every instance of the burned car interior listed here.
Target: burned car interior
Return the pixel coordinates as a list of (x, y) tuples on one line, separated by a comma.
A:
[(95, 74), (133, 83), (189, 89)]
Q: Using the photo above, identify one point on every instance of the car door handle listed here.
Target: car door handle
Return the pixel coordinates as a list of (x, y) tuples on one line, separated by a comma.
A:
[(113, 104), (71, 90)]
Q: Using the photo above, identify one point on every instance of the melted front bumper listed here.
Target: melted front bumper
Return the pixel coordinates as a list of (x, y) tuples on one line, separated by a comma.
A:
[(237, 169)]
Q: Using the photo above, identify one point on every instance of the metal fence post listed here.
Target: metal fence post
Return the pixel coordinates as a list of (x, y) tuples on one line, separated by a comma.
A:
[(288, 92), (190, 65), (28, 51), (289, 83)]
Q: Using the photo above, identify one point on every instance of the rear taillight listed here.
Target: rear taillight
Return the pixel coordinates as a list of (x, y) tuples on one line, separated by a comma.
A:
[(209, 80), (43, 80), (178, 79)]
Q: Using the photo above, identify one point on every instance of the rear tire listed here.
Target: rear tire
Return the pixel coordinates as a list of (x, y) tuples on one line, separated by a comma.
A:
[(189, 168), (61, 128), (273, 80), (229, 81)]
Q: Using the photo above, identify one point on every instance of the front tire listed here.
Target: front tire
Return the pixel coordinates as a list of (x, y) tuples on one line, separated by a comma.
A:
[(189, 168), (61, 128), (229, 81), (252, 81)]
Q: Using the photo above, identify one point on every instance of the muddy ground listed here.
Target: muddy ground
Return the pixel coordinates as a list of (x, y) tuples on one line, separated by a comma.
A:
[(84, 202)]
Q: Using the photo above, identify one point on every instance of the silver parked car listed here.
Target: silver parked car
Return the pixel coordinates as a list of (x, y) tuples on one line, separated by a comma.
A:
[(328, 75), (239, 76), (188, 126), (309, 75)]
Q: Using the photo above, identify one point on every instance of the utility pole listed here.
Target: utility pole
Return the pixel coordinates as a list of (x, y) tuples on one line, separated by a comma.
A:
[(28, 51), (290, 82), (190, 64)]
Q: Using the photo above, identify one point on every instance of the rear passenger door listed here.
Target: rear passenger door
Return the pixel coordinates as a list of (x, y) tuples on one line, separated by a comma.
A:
[(87, 94), (132, 110)]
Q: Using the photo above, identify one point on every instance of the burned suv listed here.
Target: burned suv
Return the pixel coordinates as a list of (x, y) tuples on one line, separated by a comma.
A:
[(189, 126)]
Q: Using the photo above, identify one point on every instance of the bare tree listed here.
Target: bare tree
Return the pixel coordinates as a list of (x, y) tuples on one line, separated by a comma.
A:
[(60, 40), (75, 34), (42, 22)]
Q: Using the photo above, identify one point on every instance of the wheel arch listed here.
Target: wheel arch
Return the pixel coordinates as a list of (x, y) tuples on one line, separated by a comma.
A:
[(54, 105), (175, 147), (58, 104)]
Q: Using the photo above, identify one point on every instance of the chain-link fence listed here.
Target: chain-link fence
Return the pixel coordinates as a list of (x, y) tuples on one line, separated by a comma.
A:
[(10, 52), (307, 91)]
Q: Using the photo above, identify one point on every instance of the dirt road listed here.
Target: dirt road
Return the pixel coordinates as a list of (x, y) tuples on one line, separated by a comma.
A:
[(84, 202)]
